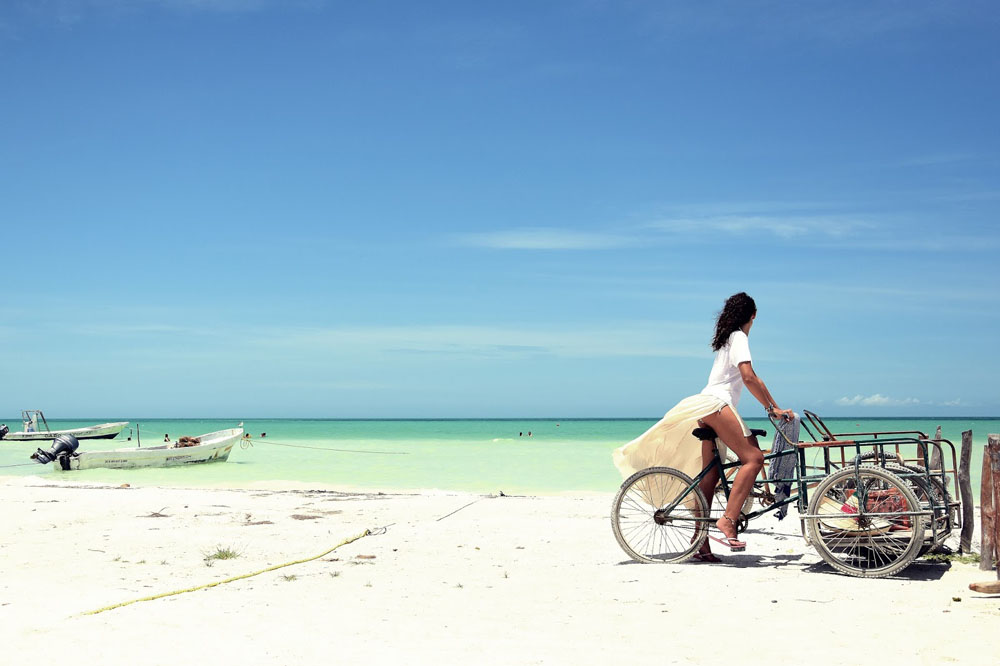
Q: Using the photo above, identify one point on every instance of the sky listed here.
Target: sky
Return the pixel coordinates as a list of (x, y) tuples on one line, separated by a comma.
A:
[(310, 208)]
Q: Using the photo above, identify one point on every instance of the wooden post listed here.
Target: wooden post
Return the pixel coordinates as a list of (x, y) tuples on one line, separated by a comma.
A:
[(936, 452), (991, 494), (988, 502), (965, 489)]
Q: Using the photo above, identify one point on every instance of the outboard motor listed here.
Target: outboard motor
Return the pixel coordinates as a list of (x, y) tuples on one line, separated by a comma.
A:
[(62, 448), (3, 430)]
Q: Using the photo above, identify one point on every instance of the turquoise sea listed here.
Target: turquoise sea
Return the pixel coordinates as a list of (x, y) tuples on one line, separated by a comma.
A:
[(478, 455)]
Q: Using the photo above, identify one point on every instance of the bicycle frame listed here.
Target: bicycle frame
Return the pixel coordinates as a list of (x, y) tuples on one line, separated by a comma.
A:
[(721, 467), (803, 480)]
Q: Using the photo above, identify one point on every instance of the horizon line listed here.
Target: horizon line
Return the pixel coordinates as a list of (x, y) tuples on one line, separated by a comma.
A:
[(482, 418)]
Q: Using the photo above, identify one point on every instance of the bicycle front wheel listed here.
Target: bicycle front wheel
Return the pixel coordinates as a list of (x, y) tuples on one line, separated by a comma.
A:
[(659, 515)]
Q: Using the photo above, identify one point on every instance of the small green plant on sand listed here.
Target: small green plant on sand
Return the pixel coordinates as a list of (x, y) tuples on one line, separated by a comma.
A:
[(970, 558), (221, 554)]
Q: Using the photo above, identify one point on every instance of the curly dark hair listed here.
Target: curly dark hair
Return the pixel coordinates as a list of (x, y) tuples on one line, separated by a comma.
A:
[(738, 310)]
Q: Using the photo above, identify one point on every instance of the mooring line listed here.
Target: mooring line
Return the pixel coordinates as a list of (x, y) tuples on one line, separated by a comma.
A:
[(326, 448), (462, 507), (234, 578)]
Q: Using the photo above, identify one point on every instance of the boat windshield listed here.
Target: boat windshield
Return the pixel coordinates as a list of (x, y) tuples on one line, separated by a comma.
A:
[(31, 417)]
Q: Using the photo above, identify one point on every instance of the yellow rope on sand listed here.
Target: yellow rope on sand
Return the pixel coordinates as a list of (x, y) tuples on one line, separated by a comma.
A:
[(230, 580)]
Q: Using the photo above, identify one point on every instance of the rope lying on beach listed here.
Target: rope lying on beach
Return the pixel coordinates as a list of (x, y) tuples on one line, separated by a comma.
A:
[(459, 509), (324, 448), (234, 578), (18, 465)]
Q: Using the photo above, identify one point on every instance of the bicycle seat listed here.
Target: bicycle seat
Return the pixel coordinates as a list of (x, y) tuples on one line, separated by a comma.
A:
[(709, 433)]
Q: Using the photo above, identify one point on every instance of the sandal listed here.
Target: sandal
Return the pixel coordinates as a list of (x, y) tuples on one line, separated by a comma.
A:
[(733, 543), (708, 557)]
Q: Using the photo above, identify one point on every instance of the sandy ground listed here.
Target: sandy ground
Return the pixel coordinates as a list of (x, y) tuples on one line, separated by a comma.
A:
[(452, 579)]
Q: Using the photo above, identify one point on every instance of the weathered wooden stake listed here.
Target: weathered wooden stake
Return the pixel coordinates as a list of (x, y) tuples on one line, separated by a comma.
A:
[(965, 490), (994, 447), (936, 453), (991, 587), (988, 501)]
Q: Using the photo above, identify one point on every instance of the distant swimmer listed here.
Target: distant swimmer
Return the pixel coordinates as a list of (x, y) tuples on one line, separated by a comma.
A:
[(263, 434), (166, 437)]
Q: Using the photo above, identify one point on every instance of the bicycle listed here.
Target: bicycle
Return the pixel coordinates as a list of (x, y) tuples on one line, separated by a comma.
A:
[(863, 517)]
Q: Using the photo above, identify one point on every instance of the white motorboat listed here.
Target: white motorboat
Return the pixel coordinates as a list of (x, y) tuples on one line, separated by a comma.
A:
[(211, 447), (36, 428)]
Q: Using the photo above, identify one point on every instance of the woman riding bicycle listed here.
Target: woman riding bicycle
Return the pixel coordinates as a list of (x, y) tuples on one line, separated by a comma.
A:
[(669, 441)]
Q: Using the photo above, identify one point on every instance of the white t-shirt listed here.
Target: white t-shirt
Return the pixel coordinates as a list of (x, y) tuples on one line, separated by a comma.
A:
[(725, 380)]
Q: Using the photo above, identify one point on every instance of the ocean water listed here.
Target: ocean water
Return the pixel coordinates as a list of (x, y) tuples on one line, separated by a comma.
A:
[(560, 455)]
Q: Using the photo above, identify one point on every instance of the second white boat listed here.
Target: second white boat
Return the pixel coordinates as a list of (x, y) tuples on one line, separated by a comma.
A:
[(36, 429)]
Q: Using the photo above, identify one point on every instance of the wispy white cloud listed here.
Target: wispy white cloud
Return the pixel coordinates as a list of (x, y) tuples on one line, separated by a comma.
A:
[(833, 23), (820, 228), (825, 224), (70, 12), (782, 226), (876, 400), (227, 6), (628, 339), (545, 238), (140, 329), (938, 159), (967, 196), (691, 222), (800, 221), (217, 5)]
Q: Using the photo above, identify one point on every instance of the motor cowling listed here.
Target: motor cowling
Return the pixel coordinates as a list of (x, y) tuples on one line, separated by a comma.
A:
[(63, 447), (3, 430)]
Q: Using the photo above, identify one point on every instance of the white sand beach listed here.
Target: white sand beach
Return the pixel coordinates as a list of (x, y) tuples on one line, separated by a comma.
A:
[(453, 579)]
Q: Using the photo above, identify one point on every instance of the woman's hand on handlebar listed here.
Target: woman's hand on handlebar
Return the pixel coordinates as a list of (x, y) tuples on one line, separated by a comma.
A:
[(784, 414)]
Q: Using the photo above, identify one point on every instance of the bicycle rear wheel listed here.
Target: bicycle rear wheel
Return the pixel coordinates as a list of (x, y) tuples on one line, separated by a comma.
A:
[(654, 516)]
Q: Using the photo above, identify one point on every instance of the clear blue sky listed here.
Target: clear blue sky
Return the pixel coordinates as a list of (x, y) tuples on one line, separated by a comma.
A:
[(510, 209)]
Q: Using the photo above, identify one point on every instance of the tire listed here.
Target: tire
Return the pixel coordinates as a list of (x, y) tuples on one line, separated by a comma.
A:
[(870, 542), (644, 530)]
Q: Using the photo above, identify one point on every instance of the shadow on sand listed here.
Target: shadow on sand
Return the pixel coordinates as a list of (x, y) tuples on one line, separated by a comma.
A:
[(921, 570)]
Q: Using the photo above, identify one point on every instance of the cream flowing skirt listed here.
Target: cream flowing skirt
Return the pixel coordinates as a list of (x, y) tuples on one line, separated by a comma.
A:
[(670, 443)]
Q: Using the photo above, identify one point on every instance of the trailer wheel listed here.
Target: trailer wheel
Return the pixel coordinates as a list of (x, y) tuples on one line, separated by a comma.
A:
[(861, 523)]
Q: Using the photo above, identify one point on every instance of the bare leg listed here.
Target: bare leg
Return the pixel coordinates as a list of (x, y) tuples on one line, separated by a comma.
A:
[(708, 484), (728, 428), (711, 479)]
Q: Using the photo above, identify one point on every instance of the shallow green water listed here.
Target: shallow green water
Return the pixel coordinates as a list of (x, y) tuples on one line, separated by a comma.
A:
[(468, 455)]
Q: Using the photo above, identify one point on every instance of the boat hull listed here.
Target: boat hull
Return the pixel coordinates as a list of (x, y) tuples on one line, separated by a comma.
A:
[(214, 447), (102, 431)]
